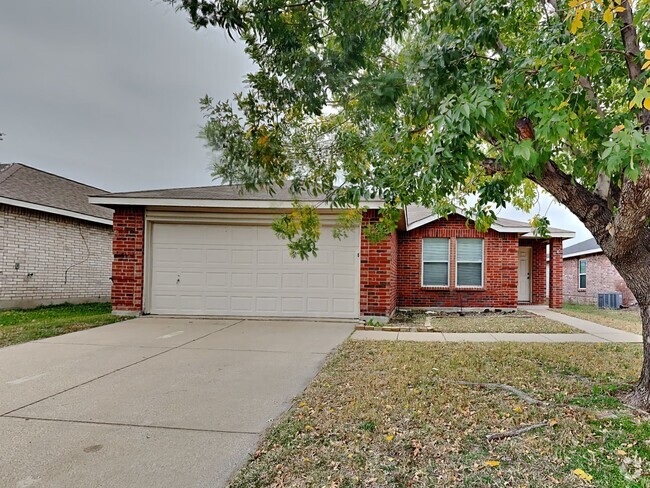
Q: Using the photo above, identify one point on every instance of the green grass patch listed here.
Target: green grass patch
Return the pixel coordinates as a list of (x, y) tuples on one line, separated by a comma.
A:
[(628, 320), (18, 326)]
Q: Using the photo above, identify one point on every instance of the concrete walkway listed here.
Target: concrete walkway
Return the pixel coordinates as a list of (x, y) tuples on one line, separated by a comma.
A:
[(592, 332), (152, 402)]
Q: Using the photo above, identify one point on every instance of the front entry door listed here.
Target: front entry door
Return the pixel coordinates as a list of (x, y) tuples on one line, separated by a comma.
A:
[(524, 274)]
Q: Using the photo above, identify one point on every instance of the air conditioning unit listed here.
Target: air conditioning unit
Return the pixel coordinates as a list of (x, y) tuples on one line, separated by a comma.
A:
[(610, 300)]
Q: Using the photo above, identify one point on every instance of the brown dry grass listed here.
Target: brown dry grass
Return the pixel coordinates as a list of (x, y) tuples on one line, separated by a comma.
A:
[(489, 322), (388, 414)]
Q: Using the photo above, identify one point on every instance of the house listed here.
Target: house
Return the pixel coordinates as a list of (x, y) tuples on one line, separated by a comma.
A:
[(55, 246), (211, 251), (587, 272)]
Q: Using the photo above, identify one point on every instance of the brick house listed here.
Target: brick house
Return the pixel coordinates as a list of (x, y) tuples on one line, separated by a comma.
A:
[(587, 272), (211, 251), (55, 246)]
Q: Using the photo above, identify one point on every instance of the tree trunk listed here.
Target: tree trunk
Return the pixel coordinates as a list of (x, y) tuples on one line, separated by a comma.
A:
[(640, 396), (635, 270)]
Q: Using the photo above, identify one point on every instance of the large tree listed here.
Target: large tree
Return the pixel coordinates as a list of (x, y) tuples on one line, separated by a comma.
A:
[(427, 102)]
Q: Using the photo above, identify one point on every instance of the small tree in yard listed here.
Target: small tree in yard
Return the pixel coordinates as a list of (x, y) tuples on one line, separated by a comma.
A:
[(420, 101)]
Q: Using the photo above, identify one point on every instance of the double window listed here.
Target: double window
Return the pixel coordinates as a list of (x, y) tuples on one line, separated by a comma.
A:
[(436, 262), (582, 274)]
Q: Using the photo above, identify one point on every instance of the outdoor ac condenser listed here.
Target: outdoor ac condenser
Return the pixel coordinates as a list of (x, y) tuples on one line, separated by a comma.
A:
[(610, 300)]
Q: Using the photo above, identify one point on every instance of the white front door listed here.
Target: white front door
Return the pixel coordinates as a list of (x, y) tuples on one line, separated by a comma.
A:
[(215, 269), (524, 274)]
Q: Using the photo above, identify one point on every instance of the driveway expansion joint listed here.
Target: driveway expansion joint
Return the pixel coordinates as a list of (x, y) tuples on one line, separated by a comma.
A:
[(121, 424)]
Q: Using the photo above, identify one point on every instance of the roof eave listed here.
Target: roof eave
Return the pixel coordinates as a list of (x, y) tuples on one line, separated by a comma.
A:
[(55, 211), (582, 253), (111, 201)]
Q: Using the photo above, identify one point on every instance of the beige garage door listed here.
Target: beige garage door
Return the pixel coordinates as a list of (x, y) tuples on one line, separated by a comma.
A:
[(222, 269)]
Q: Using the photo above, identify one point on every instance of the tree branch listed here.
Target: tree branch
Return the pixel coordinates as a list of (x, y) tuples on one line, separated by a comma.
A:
[(630, 41), (591, 209)]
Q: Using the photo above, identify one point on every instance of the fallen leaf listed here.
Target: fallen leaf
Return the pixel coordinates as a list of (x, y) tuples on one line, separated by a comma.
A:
[(618, 128), (620, 452), (390, 437), (492, 463), (552, 422), (582, 475)]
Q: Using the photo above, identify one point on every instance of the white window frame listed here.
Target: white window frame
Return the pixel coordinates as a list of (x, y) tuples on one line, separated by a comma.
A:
[(582, 274), (475, 287), (448, 239)]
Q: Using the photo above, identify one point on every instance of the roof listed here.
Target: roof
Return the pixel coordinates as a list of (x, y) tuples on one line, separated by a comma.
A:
[(28, 187), (215, 196), (417, 216), (590, 246)]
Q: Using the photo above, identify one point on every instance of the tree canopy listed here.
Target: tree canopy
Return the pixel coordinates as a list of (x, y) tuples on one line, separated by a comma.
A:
[(427, 102)]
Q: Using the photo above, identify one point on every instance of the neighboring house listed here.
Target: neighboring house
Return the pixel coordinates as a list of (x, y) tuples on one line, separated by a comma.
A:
[(55, 246), (588, 272), (211, 251)]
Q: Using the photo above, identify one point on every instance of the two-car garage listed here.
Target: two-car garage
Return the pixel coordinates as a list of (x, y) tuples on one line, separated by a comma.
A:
[(235, 265)]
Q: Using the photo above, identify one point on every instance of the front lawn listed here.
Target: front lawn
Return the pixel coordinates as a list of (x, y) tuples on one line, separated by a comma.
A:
[(623, 319), (18, 326), (403, 414), (481, 322)]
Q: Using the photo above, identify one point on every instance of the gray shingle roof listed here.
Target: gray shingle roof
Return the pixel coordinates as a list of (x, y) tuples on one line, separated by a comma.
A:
[(31, 185), (216, 192), (415, 213), (590, 246)]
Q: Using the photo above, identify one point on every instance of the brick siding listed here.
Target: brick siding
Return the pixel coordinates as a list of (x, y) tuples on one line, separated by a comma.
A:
[(47, 258), (128, 260), (378, 280), (500, 268), (555, 273), (602, 277)]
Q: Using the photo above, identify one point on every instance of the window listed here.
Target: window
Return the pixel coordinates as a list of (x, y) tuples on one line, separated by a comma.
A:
[(469, 262), (435, 262), (582, 274)]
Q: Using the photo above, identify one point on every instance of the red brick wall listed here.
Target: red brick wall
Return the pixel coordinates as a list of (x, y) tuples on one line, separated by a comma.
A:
[(128, 259), (378, 272), (500, 268), (538, 269), (555, 273), (602, 277)]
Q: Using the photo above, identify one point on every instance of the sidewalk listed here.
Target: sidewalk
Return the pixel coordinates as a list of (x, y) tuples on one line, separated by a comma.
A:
[(593, 332)]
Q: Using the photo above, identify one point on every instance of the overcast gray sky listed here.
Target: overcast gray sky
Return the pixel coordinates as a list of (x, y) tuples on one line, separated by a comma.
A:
[(106, 93)]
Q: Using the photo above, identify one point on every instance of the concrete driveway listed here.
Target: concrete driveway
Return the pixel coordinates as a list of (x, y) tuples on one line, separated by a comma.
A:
[(151, 402)]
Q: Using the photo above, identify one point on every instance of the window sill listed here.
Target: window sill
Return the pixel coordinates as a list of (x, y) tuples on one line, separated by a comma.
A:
[(470, 288), (582, 290), (434, 287)]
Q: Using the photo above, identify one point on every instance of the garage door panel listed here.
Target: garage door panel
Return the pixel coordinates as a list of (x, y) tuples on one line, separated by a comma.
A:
[(344, 282), (217, 256), (242, 256), (293, 280), (242, 304), (192, 256), (268, 256), (241, 280), (292, 304), (215, 269), (217, 305), (318, 280), (216, 279), (165, 278), (268, 280)]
